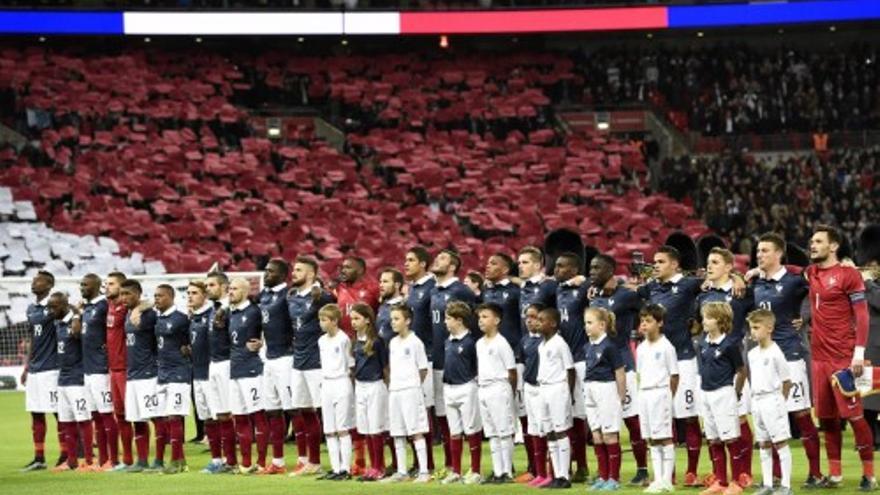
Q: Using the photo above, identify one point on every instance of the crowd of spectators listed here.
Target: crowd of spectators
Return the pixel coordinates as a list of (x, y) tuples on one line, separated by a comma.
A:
[(740, 196), (739, 89)]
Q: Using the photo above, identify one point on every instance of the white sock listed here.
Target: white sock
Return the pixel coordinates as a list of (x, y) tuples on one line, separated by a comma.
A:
[(668, 463), (345, 452), (333, 452), (564, 456), (421, 455), (657, 461), (785, 465), (553, 450), (400, 450), (497, 461), (766, 467), (507, 456)]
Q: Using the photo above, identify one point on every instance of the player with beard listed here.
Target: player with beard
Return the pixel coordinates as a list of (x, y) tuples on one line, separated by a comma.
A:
[(840, 332), (117, 313), (390, 293), (607, 292), (40, 375), (305, 299), (782, 292), (217, 287), (93, 326), (571, 301), (447, 288), (278, 332)]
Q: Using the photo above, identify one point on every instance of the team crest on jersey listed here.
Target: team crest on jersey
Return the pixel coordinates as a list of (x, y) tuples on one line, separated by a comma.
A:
[(778, 287), (420, 294), (504, 295), (274, 297), (728, 298), (832, 280), (406, 352), (491, 351), (336, 349), (446, 298), (598, 356), (717, 353), (243, 319), (766, 361), (361, 294), (460, 349), (168, 325), (675, 289), (611, 302), (657, 355)]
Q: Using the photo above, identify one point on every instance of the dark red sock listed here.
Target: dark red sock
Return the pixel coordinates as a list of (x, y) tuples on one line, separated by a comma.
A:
[(87, 436), (108, 422), (389, 441), (212, 431), (126, 437), (864, 439), (100, 437), (70, 435), (175, 436), (777, 467), (276, 434), (694, 441), (455, 447), (578, 437), (244, 433), (527, 442), (445, 435), (747, 447), (601, 452), (429, 438), (38, 432), (227, 441), (810, 439), (161, 427), (539, 444), (313, 426), (639, 446), (734, 449), (376, 446), (261, 435), (359, 445), (301, 435), (142, 441), (613, 452), (833, 441), (719, 461), (475, 445), (62, 437)]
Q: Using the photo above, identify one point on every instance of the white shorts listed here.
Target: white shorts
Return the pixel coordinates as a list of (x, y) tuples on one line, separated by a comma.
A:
[(72, 404), (555, 412), (579, 409), (371, 407), (305, 388), (246, 395), (496, 409), (218, 387), (744, 403), (532, 403), (631, 400), (428, 388), (141, 401), (771, 418), (462, 408), (436, 401), (200, 392), (337, 404), (604, 411), (720, 418), (41, 392), (98, 393), (799, 397), (655, 413), (407, 412), (173, 399), (685, 403), (276, 383)]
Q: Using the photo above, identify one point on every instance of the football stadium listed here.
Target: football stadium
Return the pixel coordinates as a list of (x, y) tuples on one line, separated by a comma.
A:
[(439, 246)]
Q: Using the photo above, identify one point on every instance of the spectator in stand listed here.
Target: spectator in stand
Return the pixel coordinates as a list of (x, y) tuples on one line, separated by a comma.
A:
[(787, 195)]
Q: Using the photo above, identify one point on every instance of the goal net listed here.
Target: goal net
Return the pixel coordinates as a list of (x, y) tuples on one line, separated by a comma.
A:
[(15, 296)]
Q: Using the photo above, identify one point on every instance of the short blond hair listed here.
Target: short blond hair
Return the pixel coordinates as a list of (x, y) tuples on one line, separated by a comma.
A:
[(762, 316), (720, 311), (330, 311)]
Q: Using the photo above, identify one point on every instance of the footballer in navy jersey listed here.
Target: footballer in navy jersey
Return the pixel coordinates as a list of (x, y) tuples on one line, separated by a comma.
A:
[(447, 289), (94, 326), (390, 286), (499, 290), (719, 265), (782, 292), (140, 340), (172, 335), (71, 369), (245, 326), (677, 294), (608, 293), (303, 306), (277, 326), (200, 353), (415, 269), (43, 354), (571, 301), (536, 288)]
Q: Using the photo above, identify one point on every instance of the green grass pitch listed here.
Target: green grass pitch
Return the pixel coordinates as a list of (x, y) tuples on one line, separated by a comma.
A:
[(16, 451)]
